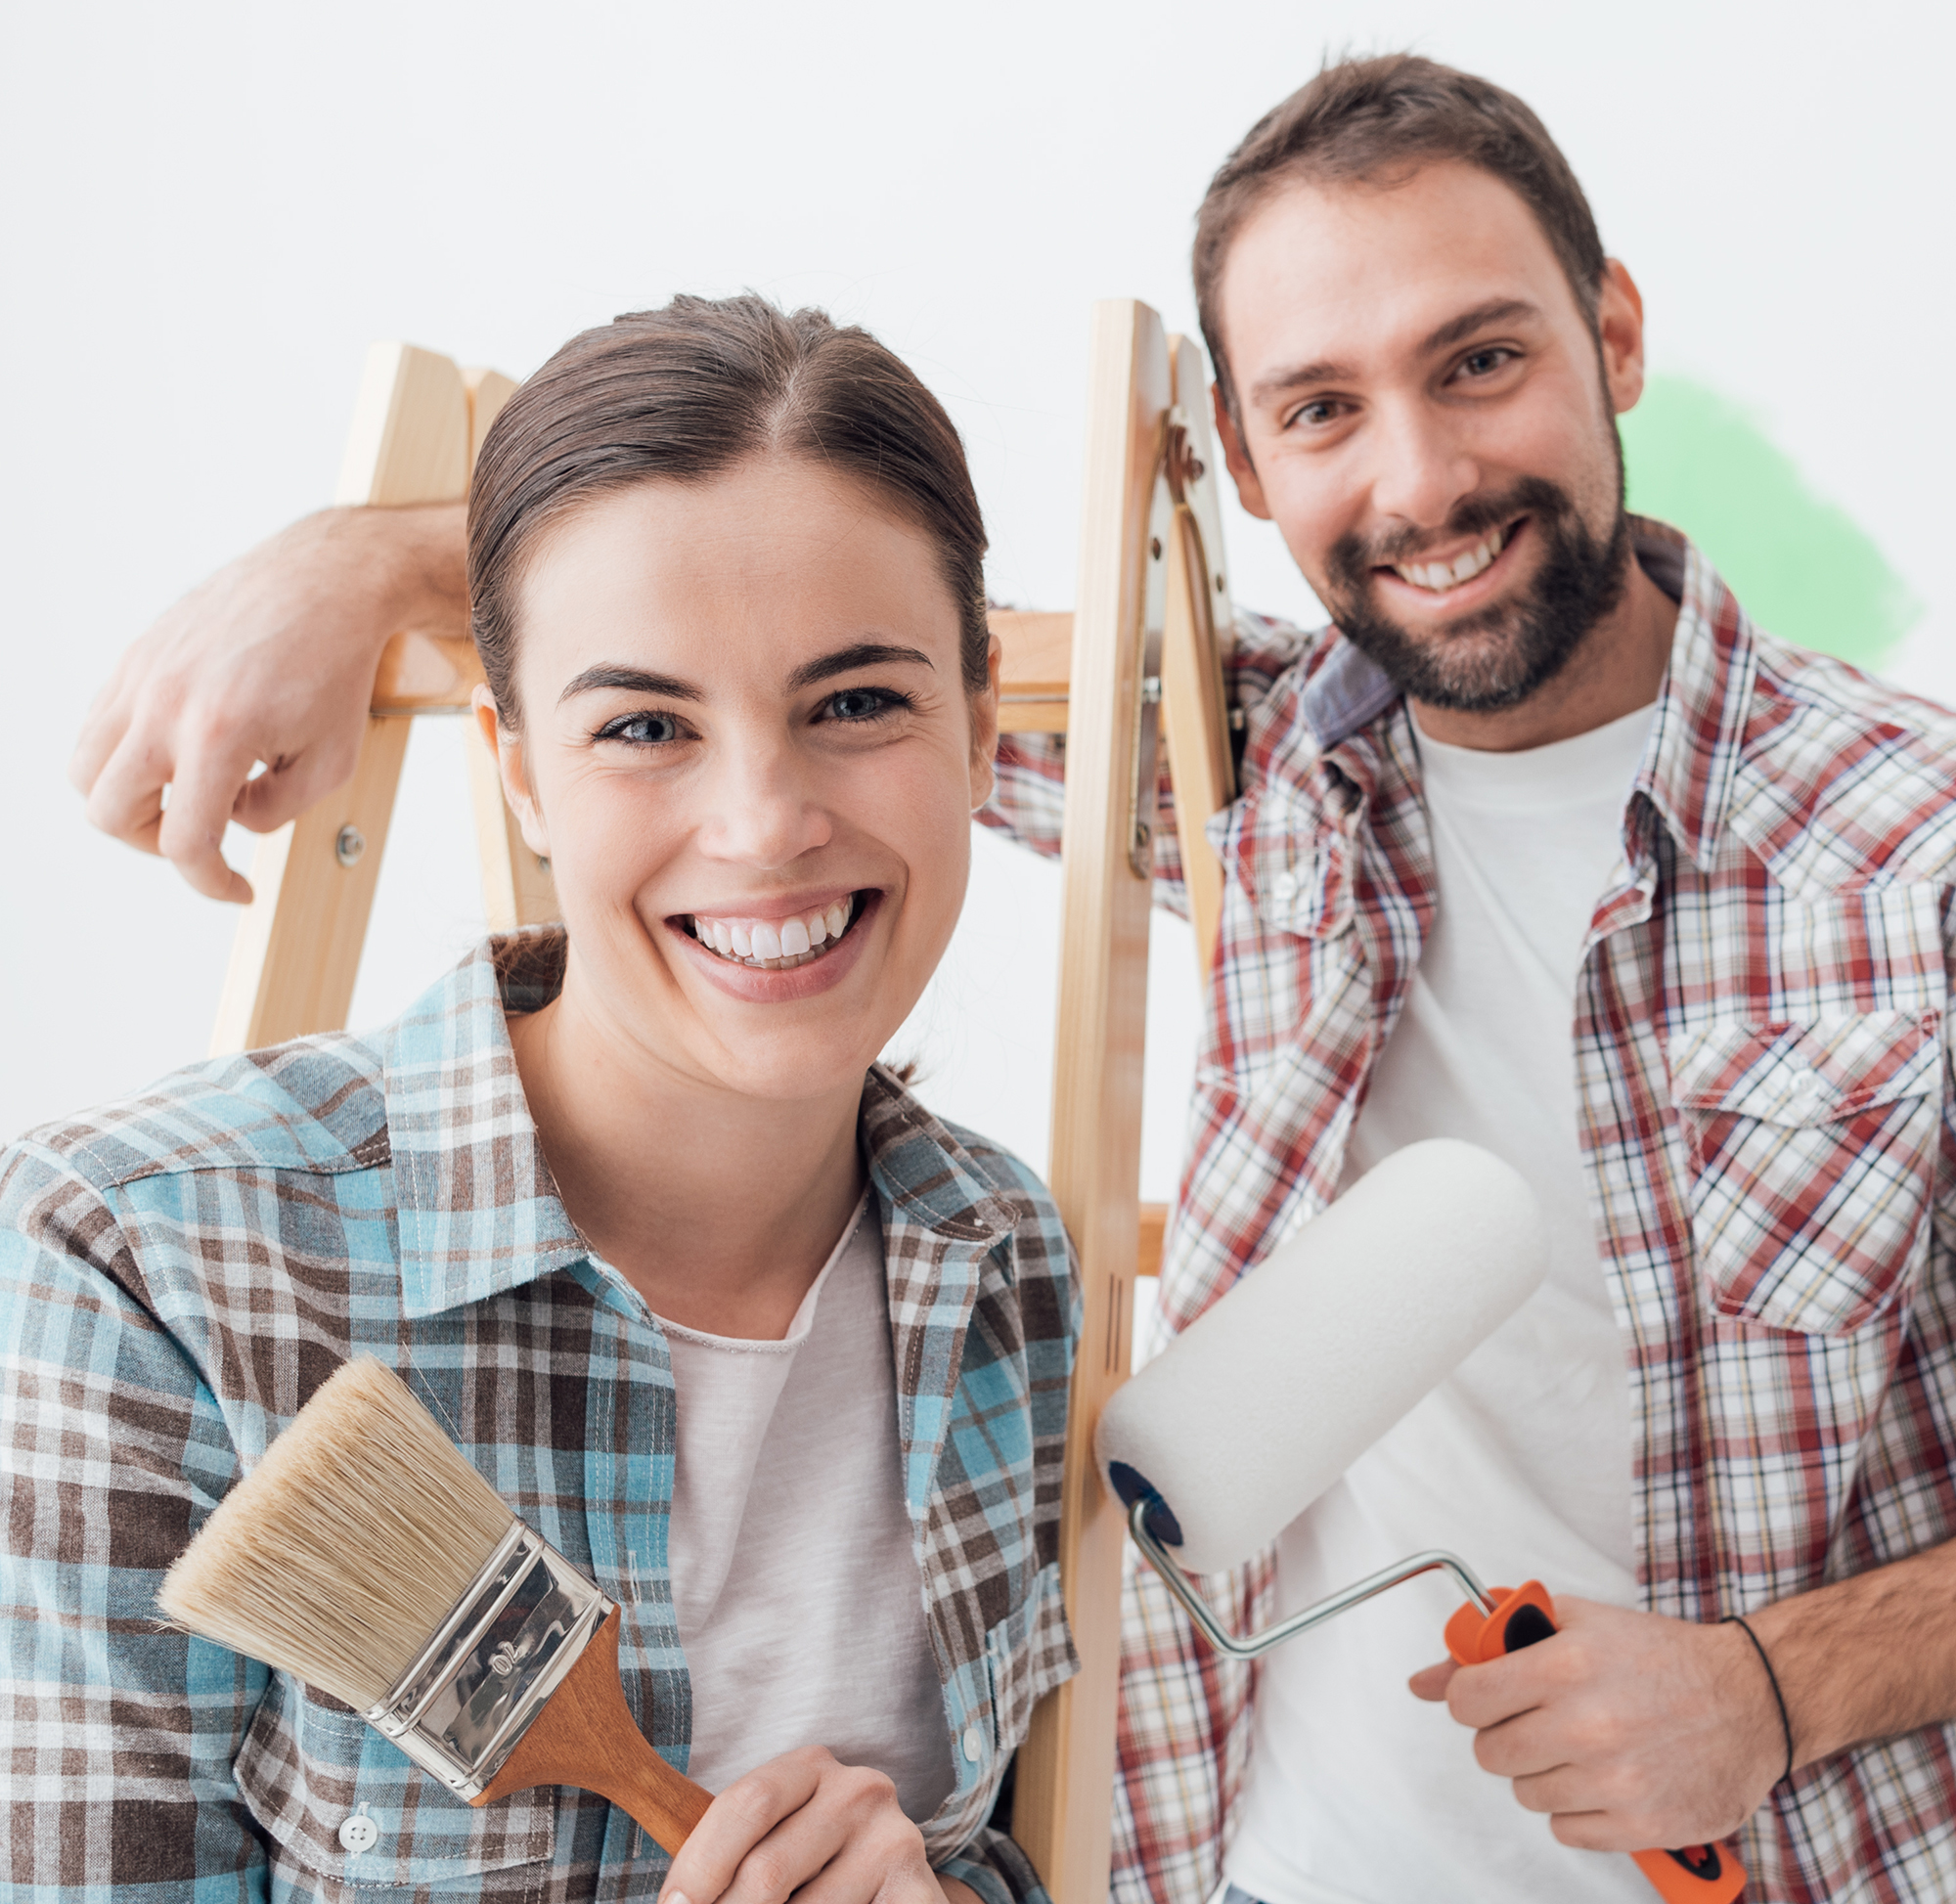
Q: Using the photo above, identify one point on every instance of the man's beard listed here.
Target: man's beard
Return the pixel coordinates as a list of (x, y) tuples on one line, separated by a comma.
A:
[(1579, 579)]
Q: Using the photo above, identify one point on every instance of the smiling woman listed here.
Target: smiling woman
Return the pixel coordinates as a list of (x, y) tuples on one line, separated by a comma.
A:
[(781, 1359)]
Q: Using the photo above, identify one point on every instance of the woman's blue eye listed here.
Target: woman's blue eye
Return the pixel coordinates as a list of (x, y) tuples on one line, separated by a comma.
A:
[(641, 728), (863, 703)]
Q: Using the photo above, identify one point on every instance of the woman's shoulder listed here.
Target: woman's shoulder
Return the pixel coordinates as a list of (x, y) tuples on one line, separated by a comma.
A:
[(316, 1104), (946, 1176), (189, 1219), (1011, 1177)]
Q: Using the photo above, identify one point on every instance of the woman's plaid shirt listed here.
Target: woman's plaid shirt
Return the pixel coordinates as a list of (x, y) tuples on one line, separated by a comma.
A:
[(1759, 1049), (180, 1271)]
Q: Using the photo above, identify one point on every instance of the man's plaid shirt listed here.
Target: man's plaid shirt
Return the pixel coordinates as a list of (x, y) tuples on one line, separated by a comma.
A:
[(1765, 1102), (180, 1271)]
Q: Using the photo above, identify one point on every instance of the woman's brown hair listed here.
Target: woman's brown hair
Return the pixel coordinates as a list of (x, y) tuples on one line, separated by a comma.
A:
[(684, 393)]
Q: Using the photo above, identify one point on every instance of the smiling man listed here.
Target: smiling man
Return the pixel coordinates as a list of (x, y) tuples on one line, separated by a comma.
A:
[(1541, 844), (1547, 847)]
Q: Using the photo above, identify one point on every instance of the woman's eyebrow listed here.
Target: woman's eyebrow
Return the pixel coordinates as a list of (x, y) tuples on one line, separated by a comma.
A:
[(863, 655), (634, 681)]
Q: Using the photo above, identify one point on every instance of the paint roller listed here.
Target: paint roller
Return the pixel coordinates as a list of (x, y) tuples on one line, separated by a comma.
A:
[(1262, 1402)]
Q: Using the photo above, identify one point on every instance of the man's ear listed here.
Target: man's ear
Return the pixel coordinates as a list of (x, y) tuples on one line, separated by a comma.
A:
[(984, 709), (513, 768), (1620, 336), (1249, 486)]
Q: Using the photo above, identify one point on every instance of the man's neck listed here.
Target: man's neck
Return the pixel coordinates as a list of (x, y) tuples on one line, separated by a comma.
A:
[(1614, 670)]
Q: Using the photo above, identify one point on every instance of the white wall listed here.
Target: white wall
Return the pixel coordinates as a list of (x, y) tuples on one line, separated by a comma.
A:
[(212, 208)]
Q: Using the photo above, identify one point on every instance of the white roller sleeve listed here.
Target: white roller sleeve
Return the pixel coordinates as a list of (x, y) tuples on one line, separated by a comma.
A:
[(1257, 1407)]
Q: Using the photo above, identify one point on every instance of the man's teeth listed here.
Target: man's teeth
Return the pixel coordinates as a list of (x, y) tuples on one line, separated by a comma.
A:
[(1440, 576), (776, 945)]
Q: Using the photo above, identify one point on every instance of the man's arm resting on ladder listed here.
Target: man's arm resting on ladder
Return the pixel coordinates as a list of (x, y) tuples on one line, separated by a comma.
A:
[(272, 659)]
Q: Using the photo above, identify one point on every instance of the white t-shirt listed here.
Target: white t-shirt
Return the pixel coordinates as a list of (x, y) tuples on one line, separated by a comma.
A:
[(795, 1577), (1520, 1463)]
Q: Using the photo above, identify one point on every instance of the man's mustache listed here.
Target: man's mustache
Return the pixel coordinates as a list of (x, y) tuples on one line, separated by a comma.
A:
[(1351, 558)]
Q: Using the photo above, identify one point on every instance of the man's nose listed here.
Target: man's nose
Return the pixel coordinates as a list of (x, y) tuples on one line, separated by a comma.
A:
[(1421, 468), (762, 806)]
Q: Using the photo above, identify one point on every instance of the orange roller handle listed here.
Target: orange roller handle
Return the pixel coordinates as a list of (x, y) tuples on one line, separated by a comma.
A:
[(1695, 1874)]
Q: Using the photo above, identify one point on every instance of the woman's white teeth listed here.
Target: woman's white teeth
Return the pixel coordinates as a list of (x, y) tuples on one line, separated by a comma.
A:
[(1439, 576), (774, 946)]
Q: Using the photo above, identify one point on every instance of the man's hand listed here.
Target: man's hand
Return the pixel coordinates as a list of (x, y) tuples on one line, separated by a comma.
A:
[(1632, 1730), (798, 1818), (271, 660)]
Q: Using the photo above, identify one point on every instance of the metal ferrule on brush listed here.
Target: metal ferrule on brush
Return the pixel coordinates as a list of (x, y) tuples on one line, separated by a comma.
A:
[(506, 1646)]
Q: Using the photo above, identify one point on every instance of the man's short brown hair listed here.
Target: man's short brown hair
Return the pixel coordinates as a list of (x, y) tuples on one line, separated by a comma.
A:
[(1379, 121)]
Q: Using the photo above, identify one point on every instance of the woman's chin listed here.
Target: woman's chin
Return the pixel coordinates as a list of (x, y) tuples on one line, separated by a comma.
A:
[(799, 1032)]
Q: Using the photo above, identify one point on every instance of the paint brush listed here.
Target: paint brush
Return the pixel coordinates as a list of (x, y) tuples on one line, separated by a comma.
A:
[(365, 1556)]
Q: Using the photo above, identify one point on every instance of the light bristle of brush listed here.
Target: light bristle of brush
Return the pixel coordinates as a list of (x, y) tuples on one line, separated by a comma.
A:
[(346, 1548)]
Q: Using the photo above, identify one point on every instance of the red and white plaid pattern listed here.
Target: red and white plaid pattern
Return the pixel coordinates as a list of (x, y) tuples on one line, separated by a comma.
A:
[(1765, 1115)]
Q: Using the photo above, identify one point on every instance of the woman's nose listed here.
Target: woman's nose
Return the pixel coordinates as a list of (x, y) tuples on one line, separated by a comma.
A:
[(761, 807)]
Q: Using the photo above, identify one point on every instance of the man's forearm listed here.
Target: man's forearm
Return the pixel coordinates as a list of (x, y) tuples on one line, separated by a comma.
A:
[(1634, 1728), (416, 557), (1867, 1658)]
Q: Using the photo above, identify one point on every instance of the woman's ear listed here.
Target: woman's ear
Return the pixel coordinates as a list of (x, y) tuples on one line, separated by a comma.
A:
[(984, 708), (506, 750)]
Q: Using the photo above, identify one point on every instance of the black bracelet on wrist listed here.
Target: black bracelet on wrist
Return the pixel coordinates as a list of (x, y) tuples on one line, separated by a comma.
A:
[(1772, 1679)]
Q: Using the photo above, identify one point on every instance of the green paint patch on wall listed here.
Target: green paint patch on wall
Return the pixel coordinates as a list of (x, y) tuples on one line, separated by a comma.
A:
[(1803, 567)]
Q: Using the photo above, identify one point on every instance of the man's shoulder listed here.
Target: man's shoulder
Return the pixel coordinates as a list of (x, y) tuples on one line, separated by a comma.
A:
[(1842, 777), (1268, 651)]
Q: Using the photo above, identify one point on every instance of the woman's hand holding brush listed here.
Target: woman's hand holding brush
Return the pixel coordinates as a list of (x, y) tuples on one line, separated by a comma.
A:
[(1628, 1728), (804, 1823)]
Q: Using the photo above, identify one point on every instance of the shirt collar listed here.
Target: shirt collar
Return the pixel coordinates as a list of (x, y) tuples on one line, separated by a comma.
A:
[(924, 1176), (480, 1213), (478, 1210), (1689, 766), (1696, 738)]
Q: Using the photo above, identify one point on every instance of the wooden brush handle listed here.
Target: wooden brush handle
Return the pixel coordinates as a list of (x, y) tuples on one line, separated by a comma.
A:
[(586, 1737)]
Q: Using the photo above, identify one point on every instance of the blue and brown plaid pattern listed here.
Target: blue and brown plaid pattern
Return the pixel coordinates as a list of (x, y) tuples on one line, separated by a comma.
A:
[(178, 1272), (1761, 1047)]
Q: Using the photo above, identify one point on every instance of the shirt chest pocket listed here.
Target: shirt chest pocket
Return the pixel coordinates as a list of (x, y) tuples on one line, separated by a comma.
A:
[(344, 1813), (1813, 1151)]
